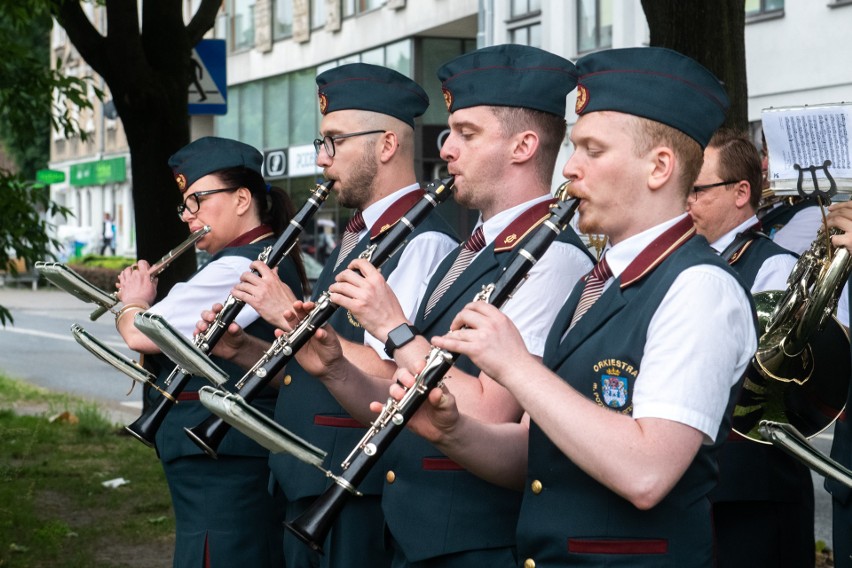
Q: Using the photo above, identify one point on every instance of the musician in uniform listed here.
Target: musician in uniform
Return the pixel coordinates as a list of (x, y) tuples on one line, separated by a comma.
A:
[(224, 515), (617, 460), (366, 146), (507, 109), (763, 507), (840, 217)]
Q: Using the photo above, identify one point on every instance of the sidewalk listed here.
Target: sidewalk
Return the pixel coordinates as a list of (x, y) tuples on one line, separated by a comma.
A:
[(56, 302)]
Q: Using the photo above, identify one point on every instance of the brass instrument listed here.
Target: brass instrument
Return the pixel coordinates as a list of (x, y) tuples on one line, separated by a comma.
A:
[(796, 378), (66, 279)]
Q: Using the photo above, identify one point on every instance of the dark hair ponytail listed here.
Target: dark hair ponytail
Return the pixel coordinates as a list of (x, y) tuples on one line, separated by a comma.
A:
[(274, 208)]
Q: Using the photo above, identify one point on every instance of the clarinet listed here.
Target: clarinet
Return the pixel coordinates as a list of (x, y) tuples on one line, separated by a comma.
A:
[(209, 434), (313, 525), (145, 427)]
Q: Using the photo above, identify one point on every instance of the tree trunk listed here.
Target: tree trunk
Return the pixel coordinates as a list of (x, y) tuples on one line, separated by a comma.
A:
[(713, 33), (148, 76)]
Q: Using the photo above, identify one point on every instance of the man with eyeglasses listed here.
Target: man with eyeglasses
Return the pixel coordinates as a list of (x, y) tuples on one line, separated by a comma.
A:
[(506, 122), (763, 507), (366, 146)]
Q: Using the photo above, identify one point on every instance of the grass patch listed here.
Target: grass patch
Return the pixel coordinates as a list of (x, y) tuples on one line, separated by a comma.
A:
[(54, 510)]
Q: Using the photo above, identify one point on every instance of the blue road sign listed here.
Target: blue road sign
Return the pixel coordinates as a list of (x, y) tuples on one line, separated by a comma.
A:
[(208, 89)]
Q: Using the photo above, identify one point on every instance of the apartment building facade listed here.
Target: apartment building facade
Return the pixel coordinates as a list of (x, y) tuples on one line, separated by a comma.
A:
[(275, 48)]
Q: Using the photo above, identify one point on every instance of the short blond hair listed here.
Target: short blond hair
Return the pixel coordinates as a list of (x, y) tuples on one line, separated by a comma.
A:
[(688, 152)]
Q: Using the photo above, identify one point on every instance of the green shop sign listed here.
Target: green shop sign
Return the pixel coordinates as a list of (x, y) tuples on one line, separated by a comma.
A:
[(50, 176), (98, 173)]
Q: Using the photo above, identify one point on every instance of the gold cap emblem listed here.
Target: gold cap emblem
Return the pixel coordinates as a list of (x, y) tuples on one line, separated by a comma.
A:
[(323, 102), (448, 97), (582, 99), (181, 182)]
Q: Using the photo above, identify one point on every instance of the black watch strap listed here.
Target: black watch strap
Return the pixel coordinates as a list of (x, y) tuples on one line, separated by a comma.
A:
[(399, 336)]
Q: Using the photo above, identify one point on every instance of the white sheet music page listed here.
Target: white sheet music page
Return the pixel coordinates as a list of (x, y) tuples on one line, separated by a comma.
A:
[(808, 136)]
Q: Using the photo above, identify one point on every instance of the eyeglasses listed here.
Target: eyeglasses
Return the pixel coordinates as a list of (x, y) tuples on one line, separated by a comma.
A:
[(327, 142), (697, 189), (193, 204)]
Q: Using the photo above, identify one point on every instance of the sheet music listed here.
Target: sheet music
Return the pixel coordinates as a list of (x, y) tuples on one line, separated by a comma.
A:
[(808, 136)]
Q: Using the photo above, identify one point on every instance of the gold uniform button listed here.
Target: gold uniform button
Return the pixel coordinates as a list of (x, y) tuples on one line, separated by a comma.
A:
[(390, 476), (536, 489), (288, 379), (529, 563)]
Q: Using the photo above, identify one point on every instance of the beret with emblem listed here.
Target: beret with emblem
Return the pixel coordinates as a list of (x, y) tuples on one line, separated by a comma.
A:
[(508, 75), (211, 154), (361, 86), (655, 83)]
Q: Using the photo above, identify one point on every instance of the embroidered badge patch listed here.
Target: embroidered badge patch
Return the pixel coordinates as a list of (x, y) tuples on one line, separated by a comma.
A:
[(181, 182), (323, 102), (612, 383)]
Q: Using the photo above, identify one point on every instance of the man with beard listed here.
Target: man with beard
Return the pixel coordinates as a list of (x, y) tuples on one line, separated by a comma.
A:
[(507, 122), (366, 146)]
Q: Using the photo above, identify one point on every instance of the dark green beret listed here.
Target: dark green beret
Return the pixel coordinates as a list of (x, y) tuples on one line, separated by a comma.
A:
[(361, 86), (211, 154), (508, 75), (654, 83)]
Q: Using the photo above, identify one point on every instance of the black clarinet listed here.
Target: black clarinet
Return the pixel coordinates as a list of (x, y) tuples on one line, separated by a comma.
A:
[(313, 525), (145, 427), (209, 434)]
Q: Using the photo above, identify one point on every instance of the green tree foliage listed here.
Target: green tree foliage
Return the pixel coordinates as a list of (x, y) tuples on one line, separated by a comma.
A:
[(23, 229), (27, 113)]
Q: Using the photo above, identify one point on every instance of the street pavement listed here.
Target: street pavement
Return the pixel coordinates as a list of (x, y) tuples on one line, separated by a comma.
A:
[(39, 348)]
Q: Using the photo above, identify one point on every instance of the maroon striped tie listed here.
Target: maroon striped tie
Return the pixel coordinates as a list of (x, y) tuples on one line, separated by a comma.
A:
[(474, 244), (350, 237), (594, 288)]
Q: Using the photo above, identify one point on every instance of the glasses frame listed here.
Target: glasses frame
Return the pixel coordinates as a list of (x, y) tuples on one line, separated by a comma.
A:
[(697, 189), (185, 205), (327, 141)]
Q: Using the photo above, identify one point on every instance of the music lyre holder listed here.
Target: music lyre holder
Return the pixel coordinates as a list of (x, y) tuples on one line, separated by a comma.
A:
[(118, 361), (823, 196), (66, 279), (178, 348), (236, 411)]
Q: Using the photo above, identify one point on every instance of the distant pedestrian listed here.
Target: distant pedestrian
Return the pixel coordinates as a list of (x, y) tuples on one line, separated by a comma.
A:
[(108, 235)]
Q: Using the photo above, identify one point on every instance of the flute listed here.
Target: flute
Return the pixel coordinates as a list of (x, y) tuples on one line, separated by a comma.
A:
[(145, 427), (209, 434), (66, 279), (313, 525)]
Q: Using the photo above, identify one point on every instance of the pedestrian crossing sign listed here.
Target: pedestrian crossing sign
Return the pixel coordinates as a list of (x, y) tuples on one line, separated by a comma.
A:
[(208, 89)]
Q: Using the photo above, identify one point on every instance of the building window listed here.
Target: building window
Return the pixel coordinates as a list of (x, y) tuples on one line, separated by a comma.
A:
[(242, 24), (355, 7), (318, 14), (282, 19), (594, 25), (757, 7), (524, 25), (524, 7)]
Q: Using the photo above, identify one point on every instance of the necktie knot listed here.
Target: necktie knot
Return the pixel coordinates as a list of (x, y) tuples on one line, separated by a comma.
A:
[(471, 246), (350, 237), (356, 223), (476, 241), (593, 289)]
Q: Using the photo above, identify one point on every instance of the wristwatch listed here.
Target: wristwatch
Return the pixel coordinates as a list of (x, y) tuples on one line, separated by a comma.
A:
[(399, 336)]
